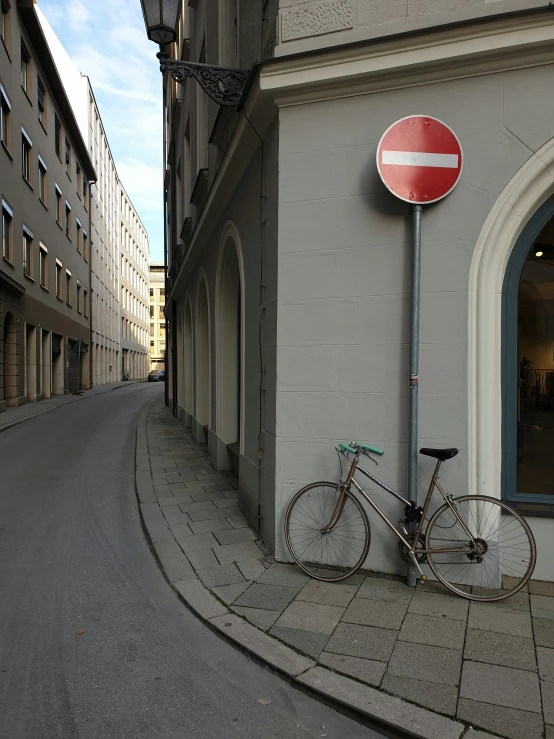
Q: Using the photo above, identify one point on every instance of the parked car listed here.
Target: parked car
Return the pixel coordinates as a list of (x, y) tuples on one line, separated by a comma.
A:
[(156, 376)]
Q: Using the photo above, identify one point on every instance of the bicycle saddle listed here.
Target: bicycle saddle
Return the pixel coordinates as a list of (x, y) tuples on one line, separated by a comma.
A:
[(441, 454)]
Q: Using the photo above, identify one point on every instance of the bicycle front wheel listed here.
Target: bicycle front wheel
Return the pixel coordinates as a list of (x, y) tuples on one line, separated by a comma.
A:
[(496, 549), (326, 555)]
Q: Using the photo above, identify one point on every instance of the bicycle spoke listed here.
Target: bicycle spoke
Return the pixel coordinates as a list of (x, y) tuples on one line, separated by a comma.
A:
[(501, 546), (325, 548)]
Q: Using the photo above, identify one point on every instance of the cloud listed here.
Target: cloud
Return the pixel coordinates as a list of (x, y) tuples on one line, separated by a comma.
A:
[(110, 46)]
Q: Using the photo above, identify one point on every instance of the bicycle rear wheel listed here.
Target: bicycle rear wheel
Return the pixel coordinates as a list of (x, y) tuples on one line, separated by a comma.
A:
[(331, 555), (498, 558)]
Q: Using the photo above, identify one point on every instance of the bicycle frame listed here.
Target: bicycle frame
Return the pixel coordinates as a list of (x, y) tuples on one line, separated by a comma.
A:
[(410, 547)]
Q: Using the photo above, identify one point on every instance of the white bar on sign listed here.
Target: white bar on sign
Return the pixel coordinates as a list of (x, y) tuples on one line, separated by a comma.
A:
[(420, 159)]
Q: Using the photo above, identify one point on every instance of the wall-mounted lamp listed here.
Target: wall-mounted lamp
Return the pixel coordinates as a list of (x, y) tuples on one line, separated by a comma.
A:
[(539, 253)]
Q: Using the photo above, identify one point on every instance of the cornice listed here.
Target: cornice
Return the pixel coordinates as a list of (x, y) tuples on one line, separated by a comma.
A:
[(407, 60)]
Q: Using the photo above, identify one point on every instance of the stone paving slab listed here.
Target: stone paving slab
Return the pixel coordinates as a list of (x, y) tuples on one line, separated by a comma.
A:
[(424, 659), (505, 722), (367, 670), (425, 723), (440, 698), (432, 664)]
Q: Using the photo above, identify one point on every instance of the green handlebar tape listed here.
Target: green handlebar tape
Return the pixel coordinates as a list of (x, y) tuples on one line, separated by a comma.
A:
[(373, 449), (365, 447), (347, 448)]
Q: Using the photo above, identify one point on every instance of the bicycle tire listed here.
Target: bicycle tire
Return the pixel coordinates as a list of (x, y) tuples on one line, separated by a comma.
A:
[(498, 561), (327, 572)]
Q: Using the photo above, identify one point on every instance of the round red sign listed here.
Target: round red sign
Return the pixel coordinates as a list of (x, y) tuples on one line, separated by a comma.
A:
[(419, 159)]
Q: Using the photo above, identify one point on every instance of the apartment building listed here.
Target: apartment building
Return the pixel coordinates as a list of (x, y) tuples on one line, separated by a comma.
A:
[(119, 343), (45, 178), (157, 316), (134, 297)]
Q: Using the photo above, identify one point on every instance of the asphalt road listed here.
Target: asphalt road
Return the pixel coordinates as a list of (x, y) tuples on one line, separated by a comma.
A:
[(93, 642)]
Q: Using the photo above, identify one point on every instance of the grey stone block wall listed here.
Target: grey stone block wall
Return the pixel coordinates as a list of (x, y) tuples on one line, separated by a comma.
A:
[(344, 280)]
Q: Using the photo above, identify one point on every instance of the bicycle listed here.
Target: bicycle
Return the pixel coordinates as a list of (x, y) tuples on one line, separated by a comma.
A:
[(476, 546)]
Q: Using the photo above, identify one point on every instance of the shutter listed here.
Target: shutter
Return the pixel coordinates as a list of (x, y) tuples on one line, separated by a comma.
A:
[(74, 367)]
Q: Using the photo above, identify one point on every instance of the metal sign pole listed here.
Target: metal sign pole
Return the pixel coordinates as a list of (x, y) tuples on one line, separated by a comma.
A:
[(414, 371)]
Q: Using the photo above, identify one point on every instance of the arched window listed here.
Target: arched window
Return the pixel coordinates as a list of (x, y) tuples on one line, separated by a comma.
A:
[(528, 363)]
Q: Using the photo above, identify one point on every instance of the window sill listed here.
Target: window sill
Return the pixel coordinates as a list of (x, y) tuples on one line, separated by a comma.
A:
[(27, 96), (68, 176), (45, 288), (68, 305), (43, 204), (539, 510), (7, 150), (43, 126), (68, 237), (28, 277), (8, 261), (59, 298), (28, 183), (60, 225)]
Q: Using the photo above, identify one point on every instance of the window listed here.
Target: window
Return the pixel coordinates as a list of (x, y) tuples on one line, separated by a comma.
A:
[(43, 266), (85, 302), (25, 69), (79, 179), (68, 286), (68, 157), (7, 243), (151, 328), (67, 219), (162, 329), (42, 188), (27, 145), (58, 137), (41, 90), (161, 313), (59, 278), (152, 343), (79, 298), (85, 192), (5, 22), (79, 231), (151, 293), (5, 109), (27, 253), (85, 245), (58, 206)]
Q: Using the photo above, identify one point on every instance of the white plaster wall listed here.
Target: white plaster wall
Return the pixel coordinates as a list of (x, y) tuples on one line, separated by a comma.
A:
[(344, 280)]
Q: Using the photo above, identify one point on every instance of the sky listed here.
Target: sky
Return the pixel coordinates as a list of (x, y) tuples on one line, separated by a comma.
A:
[(107, 41)]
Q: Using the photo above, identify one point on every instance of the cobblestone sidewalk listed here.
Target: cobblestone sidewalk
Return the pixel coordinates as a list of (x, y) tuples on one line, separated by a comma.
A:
[(425, 661)]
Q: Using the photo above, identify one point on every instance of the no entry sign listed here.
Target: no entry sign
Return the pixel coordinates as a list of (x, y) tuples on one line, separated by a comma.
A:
[(420, 159)]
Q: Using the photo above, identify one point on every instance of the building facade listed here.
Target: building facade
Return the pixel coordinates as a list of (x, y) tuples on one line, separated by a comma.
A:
[(134, 297), (45, 177), (157, 316), (290, 263), (119, 343)]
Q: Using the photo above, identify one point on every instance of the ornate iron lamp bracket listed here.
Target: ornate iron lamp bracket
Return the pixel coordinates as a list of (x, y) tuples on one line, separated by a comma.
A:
[(223, 84)]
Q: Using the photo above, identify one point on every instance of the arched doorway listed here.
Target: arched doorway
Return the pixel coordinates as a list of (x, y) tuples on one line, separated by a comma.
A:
[(230, 340), (528, 363), (180, 369), (203, 378), (11, 369), (188, 362)]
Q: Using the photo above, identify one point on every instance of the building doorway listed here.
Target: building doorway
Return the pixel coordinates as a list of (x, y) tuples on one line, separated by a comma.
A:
[(203, 375), (229, 318), (11, 370)]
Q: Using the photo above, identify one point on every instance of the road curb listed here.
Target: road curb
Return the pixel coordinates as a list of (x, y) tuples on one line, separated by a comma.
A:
[(19, 421), (298, 670)]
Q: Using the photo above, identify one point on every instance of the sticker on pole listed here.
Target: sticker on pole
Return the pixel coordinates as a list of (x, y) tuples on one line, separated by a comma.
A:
[(420, 159)]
